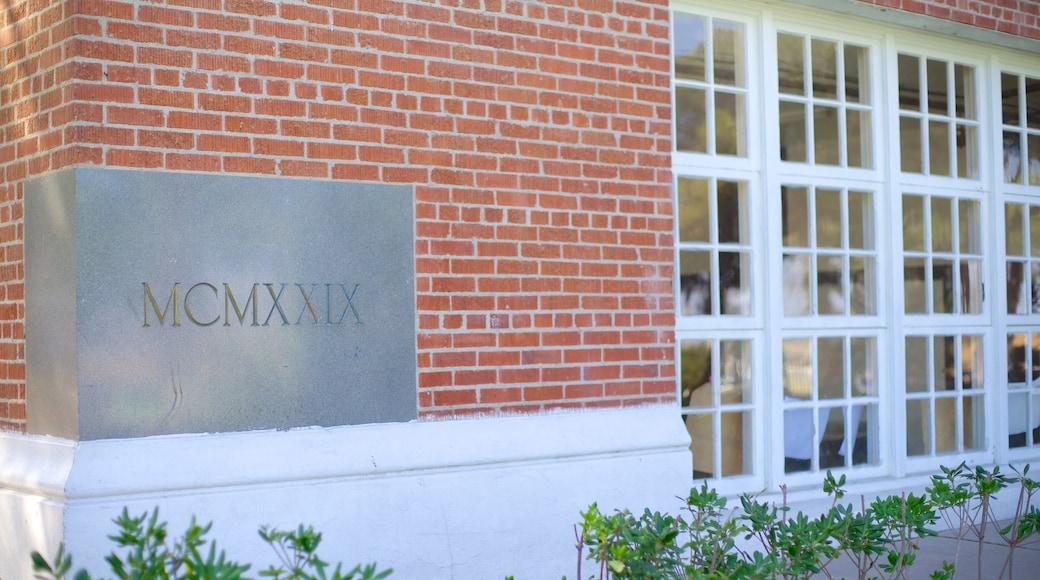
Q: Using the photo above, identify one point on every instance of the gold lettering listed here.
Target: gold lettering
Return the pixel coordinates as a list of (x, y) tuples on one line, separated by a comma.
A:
[(307, 306), (187, 304), (149, 298), (229, 300)]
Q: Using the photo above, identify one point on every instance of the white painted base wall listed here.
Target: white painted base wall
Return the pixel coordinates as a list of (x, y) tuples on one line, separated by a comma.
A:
[(470, 499)]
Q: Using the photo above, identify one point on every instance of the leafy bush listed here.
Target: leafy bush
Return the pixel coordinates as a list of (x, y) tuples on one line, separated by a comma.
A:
[(762, 540), (151, 555)]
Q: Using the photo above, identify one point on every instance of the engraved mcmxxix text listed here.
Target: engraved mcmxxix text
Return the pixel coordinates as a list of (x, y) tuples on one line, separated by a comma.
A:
[(265, 304)]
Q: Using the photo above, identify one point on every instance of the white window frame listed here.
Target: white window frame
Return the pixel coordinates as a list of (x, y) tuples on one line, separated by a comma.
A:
[(764, 173)]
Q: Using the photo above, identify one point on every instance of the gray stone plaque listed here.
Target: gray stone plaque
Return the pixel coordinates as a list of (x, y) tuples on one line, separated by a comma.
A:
[(161, 302)]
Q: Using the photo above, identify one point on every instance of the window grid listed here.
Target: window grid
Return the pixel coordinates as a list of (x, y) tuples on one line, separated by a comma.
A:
[(942, 255), (944, 331), (716, 397), (945, 394), (825, 110), (938, 122), (709, 86), (1020, 112)]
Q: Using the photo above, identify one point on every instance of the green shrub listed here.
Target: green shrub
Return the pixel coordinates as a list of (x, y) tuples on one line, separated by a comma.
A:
[(763, 540), (151, 555)]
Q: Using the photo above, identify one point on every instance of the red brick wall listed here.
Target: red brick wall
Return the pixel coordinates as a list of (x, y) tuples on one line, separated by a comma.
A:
[(1018, 17), (536, 132)]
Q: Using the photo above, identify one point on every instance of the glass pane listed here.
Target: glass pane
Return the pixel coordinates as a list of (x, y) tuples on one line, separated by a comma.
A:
[(695, 364), (967, 152), (1017, 289), (702, 444), (690, 120), (792, 131), (964, 85), (828, 218), (910, 158), (971, 287), (735, 363), (945, 425), (1034, 419), (688, 43), (1032, 103), (942, 286), (915, 294), (1018, 419), (1034, 287), (729, 53), (832, 422), (1009, 99), (938, 95), (864, 435), (829, 287), (1012, 158), (968, 231), (971, 362), (796, 285), (831, 356), (913, 223), (794, 212), (1035, 361), (938, 148), (857, 130), (734, 283), (695, 282), (798, 440), (1014, 237), (1034, 231), (797, 355), (732, 213), (1016, 363), (861, 285), (864, 366), (909, 83), (918, 428), (694, 210), (857, 89), (824, 69), (791, 63), (944, 363), (729, 124), (974, 421), (734, 446), (1034, 159), (861, 221), (825, 134), (916, 364), (942, 224)]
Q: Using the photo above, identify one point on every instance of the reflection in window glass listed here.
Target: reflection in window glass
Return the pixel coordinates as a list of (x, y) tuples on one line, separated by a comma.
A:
[(944, 276), (691, 116), (828, 124), (728, 53), (830, 417), (1022, 247), (791, 63), (947, 415), (938, 123), (688, 43), (829, 258), (1020, 108), (716, 391), (714, 253), (709, 64)]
